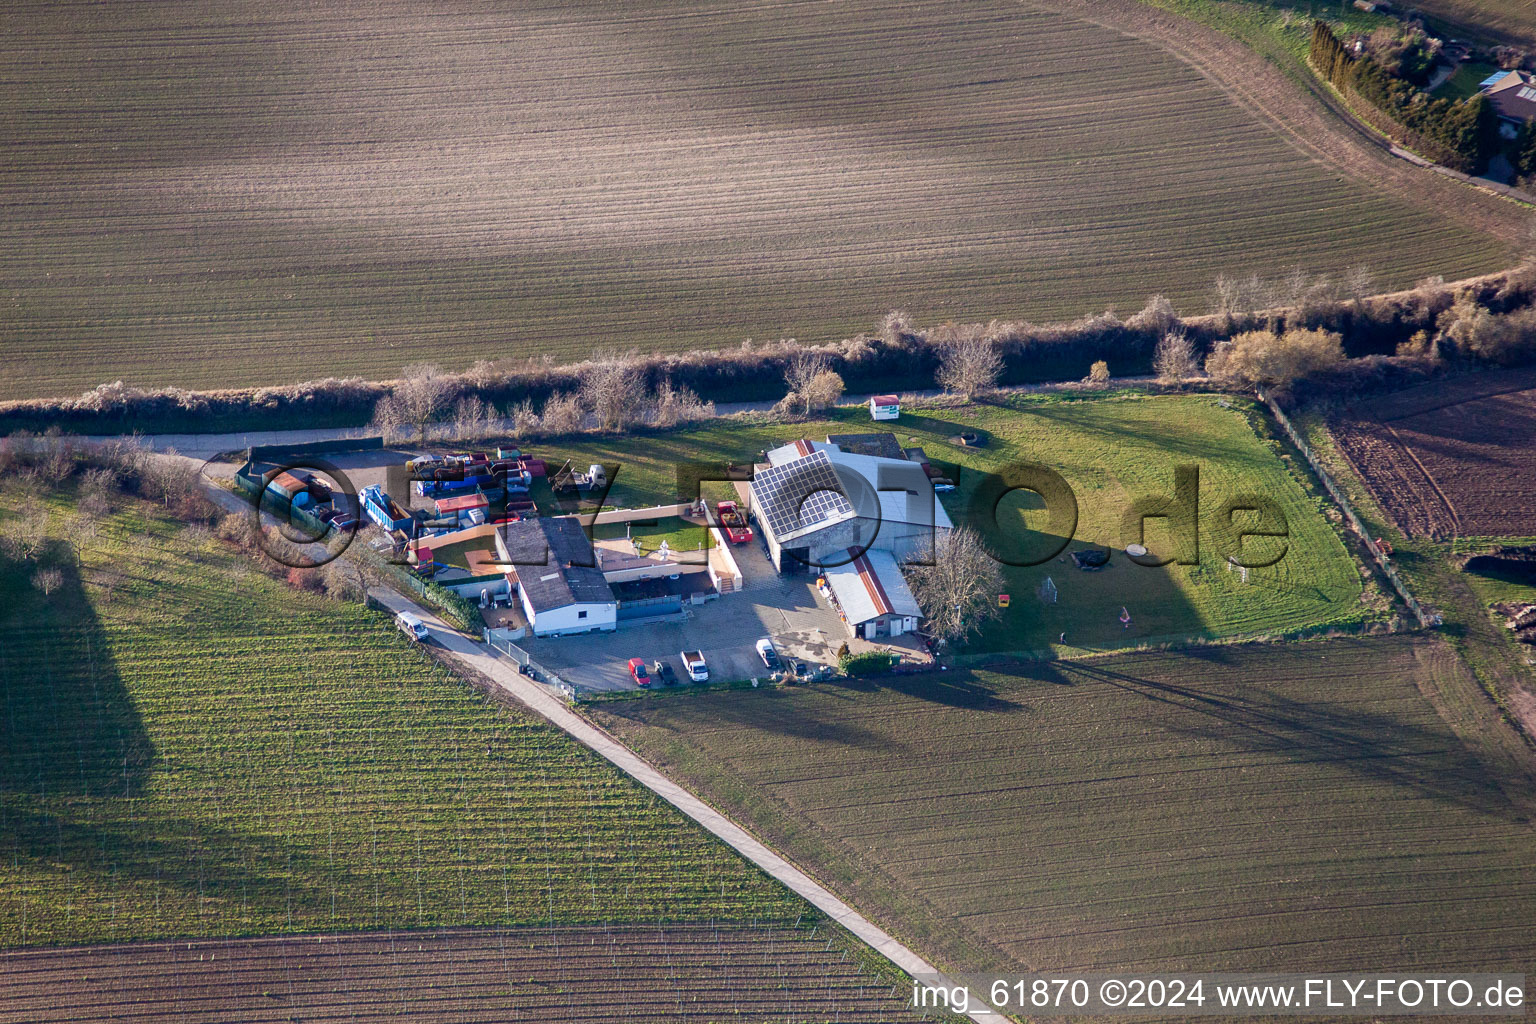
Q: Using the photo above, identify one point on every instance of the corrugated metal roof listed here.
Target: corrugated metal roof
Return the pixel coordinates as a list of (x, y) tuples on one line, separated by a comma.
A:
[(871, 586)]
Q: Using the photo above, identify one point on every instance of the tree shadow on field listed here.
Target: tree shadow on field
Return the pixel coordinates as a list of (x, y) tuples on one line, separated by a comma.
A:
[(957, 688), (774, 710), (194, 857), (68, 726), (1384, 748)]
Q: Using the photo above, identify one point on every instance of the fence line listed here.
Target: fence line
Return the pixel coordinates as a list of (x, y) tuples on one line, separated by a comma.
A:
[(1354, 521), (523, 660)]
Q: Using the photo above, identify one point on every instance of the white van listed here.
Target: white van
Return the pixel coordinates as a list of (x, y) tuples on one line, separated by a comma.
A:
[(411, 626)]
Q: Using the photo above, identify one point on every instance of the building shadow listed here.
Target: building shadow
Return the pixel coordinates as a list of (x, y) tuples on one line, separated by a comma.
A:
[(68, 726)]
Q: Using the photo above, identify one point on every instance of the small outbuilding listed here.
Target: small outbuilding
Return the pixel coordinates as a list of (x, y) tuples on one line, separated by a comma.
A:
[(873, 596), (884, 407)]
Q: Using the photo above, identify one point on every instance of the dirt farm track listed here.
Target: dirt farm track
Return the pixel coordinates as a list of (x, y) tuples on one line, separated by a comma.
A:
[(214, 193), (1447, 460), (574, 975)]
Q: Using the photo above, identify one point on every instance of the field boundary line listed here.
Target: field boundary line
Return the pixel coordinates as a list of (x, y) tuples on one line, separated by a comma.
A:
[(1355, 522)]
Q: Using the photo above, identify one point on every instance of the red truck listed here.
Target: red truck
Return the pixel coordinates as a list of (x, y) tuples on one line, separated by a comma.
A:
[(734, 521)]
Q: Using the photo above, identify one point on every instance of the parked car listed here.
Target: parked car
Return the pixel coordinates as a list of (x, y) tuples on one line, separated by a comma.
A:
[(663, 671), (735, 523), (768, 654), (695, 666), (412, 626), (638, 672)]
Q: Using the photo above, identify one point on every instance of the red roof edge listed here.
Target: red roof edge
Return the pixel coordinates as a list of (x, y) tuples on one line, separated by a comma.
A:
[(872, 585)]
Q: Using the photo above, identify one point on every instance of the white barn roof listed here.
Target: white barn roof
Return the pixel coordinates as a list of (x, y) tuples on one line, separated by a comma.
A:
[(871, 586)]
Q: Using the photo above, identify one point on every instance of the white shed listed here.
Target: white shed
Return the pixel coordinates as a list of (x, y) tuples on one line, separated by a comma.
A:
[(884, 407)]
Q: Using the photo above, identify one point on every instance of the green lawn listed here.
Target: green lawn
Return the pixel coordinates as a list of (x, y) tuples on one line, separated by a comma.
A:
[(210, 752), (679, 534), (1312, 806), (1111, 450), (1464, 81)]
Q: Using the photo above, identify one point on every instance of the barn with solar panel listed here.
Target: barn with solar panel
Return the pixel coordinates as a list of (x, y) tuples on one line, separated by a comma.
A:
[(814, 501)]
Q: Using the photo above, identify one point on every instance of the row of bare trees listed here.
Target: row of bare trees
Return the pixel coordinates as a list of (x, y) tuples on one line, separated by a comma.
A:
[(611, 395)]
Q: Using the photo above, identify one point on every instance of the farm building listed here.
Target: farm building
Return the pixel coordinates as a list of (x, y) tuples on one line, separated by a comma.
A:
[(813, 501), (884, 407), (872, 595), (555, 574)]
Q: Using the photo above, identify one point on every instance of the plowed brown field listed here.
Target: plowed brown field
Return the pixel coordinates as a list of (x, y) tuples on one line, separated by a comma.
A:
[(1339, 805), (676, 974), (218, 193), (1447, 460)]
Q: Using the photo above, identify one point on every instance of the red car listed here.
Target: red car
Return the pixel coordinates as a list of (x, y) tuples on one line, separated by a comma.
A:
[(639, 672)]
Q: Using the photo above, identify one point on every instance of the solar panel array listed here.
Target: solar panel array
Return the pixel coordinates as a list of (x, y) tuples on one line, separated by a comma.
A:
[(799, 494)]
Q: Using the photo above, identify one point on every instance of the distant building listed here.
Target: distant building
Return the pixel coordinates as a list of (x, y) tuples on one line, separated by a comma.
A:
[(1513, 95), (873, 597), (814, 501), (884, 407)]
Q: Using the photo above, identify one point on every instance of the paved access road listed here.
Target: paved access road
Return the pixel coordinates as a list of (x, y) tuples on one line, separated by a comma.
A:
[(535, 697)]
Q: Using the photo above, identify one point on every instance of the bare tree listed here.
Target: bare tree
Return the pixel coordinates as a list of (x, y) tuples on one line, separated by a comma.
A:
[(802, 368), (1174, 359), (969, 366), (48, 580), (822, 391), (1098, 374), (524, 420), (958, 588), (895, 327), (419, 399), (614, 389), (673, 405), (347, 579), (109, 579), (473, 420), (199, 541), (1359, 283), (1157, 317), (24, 540), (1229, 296), (563, 414), (56, 456)]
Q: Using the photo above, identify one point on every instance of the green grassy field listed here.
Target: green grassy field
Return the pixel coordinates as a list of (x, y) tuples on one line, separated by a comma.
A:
[(210, 752), (1301, 807), (212, 195), (1111, 450)]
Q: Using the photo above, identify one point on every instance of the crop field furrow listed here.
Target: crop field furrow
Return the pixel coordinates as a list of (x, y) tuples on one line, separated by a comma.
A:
[(1450, 460), (206, 194), (674, 973), (1227, 807)]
